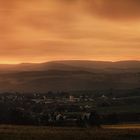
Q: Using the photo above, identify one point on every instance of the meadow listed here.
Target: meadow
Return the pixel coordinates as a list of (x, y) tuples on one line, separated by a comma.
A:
[(109, 132)]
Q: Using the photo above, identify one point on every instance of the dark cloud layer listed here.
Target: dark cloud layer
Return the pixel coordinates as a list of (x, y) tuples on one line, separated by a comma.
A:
[(115, 9)]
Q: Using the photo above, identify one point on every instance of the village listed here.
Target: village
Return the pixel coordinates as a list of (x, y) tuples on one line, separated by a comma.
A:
[(55, 109), (46, 109)]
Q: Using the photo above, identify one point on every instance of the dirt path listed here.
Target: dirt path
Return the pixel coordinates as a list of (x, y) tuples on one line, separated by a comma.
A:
[(122, 126)]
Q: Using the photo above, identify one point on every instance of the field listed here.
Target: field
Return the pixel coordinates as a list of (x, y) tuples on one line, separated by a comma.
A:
[(130, 132)]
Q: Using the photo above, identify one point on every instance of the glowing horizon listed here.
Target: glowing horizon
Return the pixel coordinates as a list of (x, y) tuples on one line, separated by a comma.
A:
[(40, 62)]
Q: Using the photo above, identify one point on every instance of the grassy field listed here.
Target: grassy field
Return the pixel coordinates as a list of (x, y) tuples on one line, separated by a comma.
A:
[(49, 133)]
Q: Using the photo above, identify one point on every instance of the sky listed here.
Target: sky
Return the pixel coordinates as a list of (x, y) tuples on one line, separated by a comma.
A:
[(47, 30)]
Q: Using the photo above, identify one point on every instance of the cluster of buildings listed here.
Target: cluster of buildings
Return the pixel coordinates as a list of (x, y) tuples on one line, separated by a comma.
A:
[(41, 109)]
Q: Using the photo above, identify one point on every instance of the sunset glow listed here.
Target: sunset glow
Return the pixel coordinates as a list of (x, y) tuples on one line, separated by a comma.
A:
[(46, 30)]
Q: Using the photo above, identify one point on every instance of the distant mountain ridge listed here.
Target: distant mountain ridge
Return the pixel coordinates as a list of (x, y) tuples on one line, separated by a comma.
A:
[(73, 65), (70, 76)]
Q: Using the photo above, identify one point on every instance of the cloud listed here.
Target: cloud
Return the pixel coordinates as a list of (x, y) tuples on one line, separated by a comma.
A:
[(39, 30), (114, 9)]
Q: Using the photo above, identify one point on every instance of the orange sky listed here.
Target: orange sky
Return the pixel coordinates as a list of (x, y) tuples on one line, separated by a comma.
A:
[(45, 30)]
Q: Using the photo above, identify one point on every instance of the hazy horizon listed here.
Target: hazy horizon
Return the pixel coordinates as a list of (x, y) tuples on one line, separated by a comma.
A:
[(66, 60)]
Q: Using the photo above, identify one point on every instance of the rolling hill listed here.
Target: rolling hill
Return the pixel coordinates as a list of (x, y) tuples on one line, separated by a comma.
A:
[(69, 76), (74, 65)]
